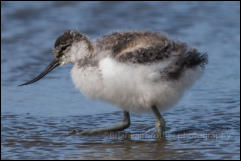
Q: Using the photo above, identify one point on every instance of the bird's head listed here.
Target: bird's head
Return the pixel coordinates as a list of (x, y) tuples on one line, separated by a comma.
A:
[(70, 48)]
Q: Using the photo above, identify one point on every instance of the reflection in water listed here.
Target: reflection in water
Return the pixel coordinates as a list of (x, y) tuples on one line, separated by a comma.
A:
[(47, 136)]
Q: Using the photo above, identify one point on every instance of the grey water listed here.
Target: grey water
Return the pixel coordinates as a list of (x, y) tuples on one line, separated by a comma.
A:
[(37, 120)]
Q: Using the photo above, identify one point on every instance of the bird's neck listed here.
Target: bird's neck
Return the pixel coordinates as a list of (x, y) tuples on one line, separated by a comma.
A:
[(88, 60)]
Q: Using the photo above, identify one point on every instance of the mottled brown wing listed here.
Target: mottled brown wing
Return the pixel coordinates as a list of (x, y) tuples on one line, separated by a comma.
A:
[(120, 42), (151, 53), (140, 46), (143, 55)]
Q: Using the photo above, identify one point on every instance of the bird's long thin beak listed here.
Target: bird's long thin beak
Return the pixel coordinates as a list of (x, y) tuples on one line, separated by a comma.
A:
[(50, 67)]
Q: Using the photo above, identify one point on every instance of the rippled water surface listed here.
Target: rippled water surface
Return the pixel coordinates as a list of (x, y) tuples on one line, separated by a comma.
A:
[(37, 120)]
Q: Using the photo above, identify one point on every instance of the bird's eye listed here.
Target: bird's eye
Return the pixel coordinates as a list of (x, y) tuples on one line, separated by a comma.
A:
[(64, 47)]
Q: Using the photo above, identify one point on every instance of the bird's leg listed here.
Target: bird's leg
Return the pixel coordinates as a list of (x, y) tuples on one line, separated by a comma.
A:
[(160, 122), (116, 127)]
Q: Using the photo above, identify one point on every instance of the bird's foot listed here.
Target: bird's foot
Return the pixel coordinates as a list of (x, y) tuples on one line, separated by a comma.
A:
[(105, 130), (114, 128), (160, 129), (88, 132)]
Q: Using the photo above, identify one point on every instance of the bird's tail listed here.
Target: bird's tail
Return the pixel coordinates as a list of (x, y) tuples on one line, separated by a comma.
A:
[(193, 58)]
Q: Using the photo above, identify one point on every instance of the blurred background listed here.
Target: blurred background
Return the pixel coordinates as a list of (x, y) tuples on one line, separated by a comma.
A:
[(37, 119)]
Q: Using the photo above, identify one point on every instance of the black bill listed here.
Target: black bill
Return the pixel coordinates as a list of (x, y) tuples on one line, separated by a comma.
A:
[(50, 67)]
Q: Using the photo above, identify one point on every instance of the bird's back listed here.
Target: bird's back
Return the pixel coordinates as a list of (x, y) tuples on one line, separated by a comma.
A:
[(120, 42), (139, 46)]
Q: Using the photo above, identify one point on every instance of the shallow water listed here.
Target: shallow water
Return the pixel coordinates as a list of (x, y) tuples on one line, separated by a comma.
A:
[(37, 120)]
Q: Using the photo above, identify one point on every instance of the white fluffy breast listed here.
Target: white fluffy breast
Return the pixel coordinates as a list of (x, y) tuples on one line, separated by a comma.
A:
[(136, 88), (88, 81), (132, 87)]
